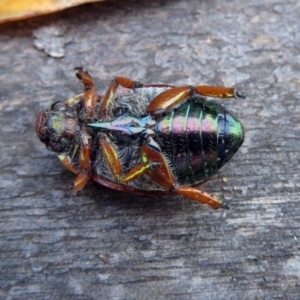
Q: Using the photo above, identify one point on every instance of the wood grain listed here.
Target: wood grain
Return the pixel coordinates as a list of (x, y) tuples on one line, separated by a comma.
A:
[(103, 244)]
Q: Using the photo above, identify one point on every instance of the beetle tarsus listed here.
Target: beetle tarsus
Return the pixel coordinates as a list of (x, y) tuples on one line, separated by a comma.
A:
[(225, 206), (241, 95), (72, 193), (137, 85), (78, 69)]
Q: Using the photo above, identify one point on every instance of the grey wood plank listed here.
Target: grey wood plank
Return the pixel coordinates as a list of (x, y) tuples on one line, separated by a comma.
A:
[(104, 244)]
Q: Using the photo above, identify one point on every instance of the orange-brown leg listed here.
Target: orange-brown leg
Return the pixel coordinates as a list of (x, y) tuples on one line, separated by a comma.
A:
[(83, 170), (66, 160), (154, 165), (139, 170), (114, 164), (111, 91), (90, 96), (111, 157), (200, 196), (81, 178), (74, 100), (173, 97)]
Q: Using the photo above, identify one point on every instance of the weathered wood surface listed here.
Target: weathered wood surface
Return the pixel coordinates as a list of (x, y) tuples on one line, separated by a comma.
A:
[(108, 245)]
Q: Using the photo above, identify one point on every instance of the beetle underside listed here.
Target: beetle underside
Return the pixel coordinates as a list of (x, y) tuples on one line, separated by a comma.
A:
[(143, 138)]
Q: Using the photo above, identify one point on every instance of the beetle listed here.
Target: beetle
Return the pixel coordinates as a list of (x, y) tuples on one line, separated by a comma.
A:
[(143, 138)]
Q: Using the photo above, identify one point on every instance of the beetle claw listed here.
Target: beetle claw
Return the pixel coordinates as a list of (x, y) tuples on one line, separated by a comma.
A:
[(225, 206), (72, 193), (241, 95)]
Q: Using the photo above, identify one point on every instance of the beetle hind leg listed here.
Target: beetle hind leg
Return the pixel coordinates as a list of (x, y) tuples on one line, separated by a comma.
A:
[(199, 196), (172, 98)]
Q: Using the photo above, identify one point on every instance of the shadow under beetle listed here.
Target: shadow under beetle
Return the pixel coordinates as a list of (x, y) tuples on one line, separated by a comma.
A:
[(143, 138)]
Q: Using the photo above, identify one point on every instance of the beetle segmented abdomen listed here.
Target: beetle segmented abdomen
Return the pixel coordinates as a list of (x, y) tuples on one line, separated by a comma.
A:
[(198, 138), (230, 137)]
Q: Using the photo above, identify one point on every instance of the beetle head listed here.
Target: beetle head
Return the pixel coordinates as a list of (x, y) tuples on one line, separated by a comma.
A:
[(56, 129)]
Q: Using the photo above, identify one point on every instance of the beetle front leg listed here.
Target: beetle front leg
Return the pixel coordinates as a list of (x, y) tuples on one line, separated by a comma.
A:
[(82, 176), (74, 100), (83, 170), (66, 160), (173, 97), (90, 96), (111, 91)]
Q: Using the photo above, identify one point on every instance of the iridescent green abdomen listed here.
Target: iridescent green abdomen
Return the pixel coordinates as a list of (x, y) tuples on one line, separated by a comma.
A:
[(198, 138)]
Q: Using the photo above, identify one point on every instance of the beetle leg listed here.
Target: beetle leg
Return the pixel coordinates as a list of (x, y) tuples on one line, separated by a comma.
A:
[(111, 91), (66, 160), (114, 164), (90, 96), (159, 85), (199, 196), (138, 171), (111, 158), (146, 164), (173, 97), (82, 174), (84, 165), (135, 172), (74, 100)]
